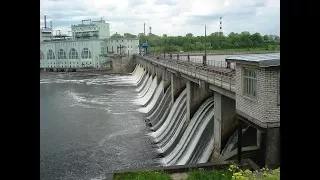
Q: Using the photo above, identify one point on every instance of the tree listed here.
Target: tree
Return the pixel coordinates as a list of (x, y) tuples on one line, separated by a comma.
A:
[(189, 35)]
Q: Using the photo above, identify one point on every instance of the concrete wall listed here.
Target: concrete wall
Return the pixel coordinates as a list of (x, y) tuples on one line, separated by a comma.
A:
[(264, 107), (224, 122), (195, 97), (122, 64), (177, 85), (272, 148)]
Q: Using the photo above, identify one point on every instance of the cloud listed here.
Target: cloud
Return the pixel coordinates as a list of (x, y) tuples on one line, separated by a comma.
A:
[(172, 17)]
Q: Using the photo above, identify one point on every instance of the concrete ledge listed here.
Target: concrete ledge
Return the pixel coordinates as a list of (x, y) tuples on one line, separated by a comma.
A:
[(257, 123)]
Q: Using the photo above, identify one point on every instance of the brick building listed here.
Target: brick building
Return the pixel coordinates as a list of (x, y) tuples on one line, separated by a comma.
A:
[(258, 101)]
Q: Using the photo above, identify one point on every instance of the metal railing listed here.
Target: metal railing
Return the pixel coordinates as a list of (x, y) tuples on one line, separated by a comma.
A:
[(215, 63), (222, 79)]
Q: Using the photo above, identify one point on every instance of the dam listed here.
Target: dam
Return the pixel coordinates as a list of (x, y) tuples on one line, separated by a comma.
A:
[(166, 112), (198, 112)]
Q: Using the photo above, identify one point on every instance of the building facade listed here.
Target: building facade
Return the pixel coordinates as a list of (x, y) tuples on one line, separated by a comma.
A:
[(89, 46)]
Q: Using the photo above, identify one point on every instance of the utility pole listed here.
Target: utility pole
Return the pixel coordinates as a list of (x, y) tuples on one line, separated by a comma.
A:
[(204, 60), (205, 40)]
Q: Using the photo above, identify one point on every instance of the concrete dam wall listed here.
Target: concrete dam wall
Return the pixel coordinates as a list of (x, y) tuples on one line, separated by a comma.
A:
[(181, 118)]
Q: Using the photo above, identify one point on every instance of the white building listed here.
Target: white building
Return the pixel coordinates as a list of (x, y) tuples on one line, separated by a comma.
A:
[(70, 54), (88, 46), (96, 29), (128, 45)]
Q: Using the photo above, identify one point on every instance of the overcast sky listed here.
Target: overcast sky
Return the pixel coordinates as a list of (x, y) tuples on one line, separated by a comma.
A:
[(171, 17)]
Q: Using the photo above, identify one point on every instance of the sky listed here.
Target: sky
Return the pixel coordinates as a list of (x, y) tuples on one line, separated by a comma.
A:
[(171, 17)]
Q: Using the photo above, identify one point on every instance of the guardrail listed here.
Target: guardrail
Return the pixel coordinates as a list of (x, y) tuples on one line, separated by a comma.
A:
[(213, 76), (221, 53)]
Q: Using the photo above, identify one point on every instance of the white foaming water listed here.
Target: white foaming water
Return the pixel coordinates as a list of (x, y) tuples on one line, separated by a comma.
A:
[(145, 80), (195, 139), (154, 99), (163, 118), (142, 101), (205, 156), (134, 71), (161, 104), (173, 110), (189, 137), (145, 88), (173, 123), (171, 139)]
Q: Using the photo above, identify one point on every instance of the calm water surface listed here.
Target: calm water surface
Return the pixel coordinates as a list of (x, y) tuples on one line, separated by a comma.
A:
[(89, 125)]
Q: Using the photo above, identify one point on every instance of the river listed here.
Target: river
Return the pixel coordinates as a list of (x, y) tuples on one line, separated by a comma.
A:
[(89, 125)]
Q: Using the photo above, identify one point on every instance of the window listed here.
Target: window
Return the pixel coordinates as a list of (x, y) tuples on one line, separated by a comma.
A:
[(50, 54), (62, 54), (250, 82), (41, 55), (73, 54), (85, 54)]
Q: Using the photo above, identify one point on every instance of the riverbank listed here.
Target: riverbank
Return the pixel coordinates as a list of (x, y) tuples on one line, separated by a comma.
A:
[(232, 172)]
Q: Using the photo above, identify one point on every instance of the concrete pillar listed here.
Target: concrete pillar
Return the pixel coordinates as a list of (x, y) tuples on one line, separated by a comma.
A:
[(153, 70), (166, 78), (177, 83), (195, 96), (158, 71), (272, 148), (224, 121), (259, 139), (45, 69)]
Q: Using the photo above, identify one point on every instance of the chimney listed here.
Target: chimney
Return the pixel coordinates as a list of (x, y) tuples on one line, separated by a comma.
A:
[(45, 21)]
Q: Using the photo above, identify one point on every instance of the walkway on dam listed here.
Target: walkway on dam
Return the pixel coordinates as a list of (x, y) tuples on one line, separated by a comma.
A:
[(216, 74)]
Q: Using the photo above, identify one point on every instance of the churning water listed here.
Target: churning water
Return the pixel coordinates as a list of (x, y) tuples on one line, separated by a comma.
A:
[(89, 125)]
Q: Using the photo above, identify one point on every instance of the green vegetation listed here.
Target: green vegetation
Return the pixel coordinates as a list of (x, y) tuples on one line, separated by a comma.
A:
[(143, 175), (233, 173), (215, 42), (208, 175)]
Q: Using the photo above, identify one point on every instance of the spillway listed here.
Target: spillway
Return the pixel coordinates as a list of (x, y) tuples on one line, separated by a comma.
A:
[(158, 94), (162, 110), (176, 108), (145, 99), (183, 151)]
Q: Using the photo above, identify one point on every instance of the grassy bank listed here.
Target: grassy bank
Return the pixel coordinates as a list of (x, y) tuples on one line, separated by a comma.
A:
[(233, 173)]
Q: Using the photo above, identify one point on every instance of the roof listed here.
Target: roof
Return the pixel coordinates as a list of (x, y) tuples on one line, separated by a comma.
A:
[(261, 60)]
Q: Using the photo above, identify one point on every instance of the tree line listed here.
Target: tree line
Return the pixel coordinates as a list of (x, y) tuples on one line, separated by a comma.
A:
[(214, 41)]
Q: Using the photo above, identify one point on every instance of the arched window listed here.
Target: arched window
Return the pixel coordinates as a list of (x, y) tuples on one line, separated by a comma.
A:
[(41, 55), (50, 55), (62, 54), (85, 54), (73, 54)]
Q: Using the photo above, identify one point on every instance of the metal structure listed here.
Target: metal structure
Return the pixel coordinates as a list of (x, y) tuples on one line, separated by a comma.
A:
[(144, 47)]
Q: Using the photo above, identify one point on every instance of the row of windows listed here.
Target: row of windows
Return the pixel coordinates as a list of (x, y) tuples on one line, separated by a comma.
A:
[(73, 54), (71, 44), (122, 40), (53, 63)]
